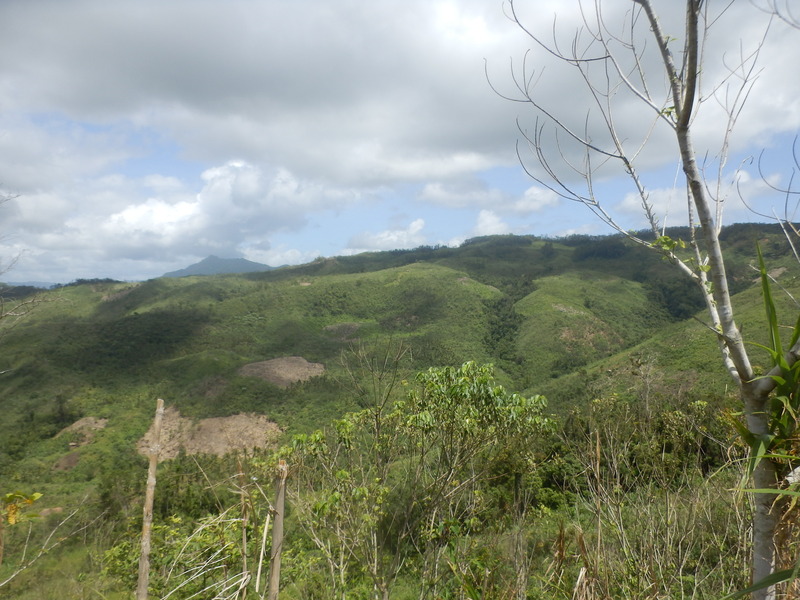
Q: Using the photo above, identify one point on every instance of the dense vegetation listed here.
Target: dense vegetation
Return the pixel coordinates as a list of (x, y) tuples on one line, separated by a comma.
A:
[(416, 471)]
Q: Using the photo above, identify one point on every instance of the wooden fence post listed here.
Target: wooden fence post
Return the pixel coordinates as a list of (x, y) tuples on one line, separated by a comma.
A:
[(147, 521)]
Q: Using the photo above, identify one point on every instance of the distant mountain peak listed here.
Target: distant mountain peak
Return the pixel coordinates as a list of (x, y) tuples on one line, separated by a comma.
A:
[(214, 265)]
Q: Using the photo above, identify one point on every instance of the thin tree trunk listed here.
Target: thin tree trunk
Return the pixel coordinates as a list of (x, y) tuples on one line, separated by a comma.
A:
[(263, 550), (766, 514), (765, 522), (520, 540), (277, 534), (734, 352), (147, 521), (243, 501)]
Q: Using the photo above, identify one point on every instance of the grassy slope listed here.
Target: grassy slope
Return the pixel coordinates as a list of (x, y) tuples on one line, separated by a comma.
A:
[(109, 350)]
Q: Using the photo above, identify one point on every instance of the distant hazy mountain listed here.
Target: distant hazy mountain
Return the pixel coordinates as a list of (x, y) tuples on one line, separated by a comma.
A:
[(214, 265)]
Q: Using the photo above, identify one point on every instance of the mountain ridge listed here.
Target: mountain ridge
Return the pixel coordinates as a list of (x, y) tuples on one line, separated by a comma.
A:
[(214, 265)]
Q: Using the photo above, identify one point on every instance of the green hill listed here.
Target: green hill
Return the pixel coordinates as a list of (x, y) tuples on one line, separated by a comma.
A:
[(574, 319)]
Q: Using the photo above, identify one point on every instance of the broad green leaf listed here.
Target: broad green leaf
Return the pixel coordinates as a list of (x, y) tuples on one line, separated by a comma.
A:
[(777, 577), (769, 305), (794, 493)]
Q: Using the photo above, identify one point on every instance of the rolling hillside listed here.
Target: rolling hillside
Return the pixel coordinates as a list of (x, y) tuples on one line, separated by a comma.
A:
[(573, 319), (537, 309)]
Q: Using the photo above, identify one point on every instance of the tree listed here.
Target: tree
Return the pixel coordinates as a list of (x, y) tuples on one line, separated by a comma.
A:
[(615, 67), (397, 484), (783, 10)]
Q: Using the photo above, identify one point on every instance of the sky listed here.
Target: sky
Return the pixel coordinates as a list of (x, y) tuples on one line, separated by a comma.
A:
[(138, 137)]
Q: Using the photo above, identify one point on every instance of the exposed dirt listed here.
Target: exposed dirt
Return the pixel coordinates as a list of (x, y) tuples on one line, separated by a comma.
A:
[(85, 428), (83, 432), (218, 435), (775, 273), (68, 461), (283, 372)]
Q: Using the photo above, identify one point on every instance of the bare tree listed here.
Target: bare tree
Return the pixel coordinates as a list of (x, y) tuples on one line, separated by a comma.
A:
[(784, 11), (619, 73)]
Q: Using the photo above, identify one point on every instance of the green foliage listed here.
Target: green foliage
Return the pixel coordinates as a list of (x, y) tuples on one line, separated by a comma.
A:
[(563, 318), (779, 443), (504, 324), (126, 343), (677, 294), (404, 484), (574, 319), (200, 558), (12, 509), (612, 247)]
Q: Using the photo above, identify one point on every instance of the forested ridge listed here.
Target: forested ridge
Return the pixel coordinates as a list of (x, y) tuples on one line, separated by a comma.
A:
[(595, 457)]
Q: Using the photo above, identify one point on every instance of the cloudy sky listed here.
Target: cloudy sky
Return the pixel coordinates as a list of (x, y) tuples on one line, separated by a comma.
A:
[(138, 137)]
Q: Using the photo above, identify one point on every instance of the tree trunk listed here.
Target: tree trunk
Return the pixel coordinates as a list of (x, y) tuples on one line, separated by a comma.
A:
[(734, 352), (147, 521), (707, 267), (277, 534), (766, 513), (765, 522), (263, 550)]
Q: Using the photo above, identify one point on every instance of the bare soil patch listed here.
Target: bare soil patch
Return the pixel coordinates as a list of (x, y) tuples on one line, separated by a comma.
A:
[(68, 461), (283, 372), (86, 428), (218, 435)]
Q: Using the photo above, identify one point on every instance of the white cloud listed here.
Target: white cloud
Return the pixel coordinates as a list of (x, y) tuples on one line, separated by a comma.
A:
[(410, 237), (771, 105), (235, 205), (463, 26), (277, 257), (535, 199), (489, 223), (142, 133), (466, 193), (743, 197), (317, 87), (163, 184), (461, 193), (154, 217), (665, 202)]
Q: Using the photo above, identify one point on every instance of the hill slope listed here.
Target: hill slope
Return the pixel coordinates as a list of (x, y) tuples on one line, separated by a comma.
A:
[(575, 319), (543, 311)]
